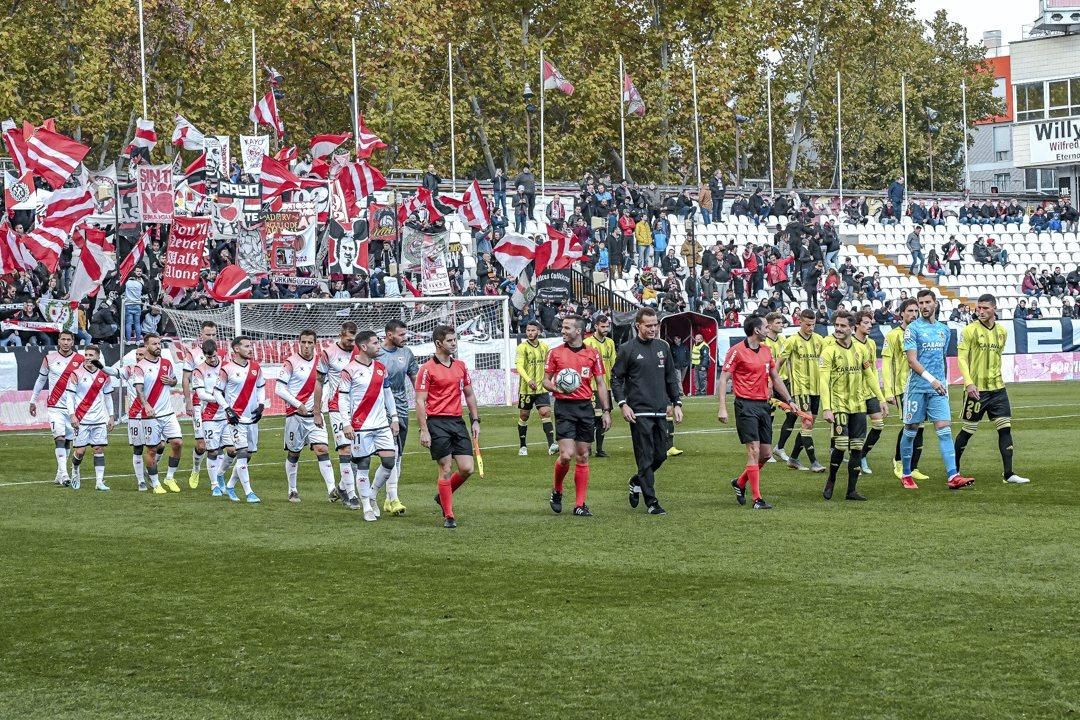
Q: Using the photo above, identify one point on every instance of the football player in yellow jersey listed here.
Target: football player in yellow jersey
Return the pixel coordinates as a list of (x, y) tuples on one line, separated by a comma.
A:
[(774, 325), (979, 352), (847, 376), (605, 346), (894, 374), (802, 357), (876, 407), (531, 356)]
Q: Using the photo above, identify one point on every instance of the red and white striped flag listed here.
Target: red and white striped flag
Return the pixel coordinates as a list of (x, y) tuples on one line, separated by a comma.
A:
[(195, 175), (558, 253), (514, 252), (632, 98), (47, 241), (367, 142), (265, 112), (186, 135), (232, 284), (17, 189), (134, 257), (287, 154), (68, 206), (423, 204), (13, 254), (554, 80), (145, 136), (54, 156), (323, 145), (358, 180), (276, 179), (93, 262), (16, 146), (474, 209)]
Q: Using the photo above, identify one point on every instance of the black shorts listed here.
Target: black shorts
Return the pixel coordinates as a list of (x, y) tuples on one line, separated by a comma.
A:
[(574, 420), (528, 402), (809, 403), (449, 436), (403, 433), (991, 403), (873, 406), (597, 407), (847, 428), (753, 421)]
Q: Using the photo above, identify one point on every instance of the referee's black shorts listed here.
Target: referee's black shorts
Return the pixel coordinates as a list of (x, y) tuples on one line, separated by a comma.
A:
[(574, 420), (753, 421), (449, 436)]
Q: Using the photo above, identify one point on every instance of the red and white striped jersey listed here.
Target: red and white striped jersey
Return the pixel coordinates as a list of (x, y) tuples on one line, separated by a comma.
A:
[(331, 362), (56, 368), (127, 376), (91, 391), (298, 375), (366, 396), (193, 357), (151, 375), (205, 376), (243, 386)]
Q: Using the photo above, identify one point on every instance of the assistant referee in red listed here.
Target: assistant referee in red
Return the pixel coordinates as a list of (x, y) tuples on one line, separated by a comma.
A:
[(750, 366)]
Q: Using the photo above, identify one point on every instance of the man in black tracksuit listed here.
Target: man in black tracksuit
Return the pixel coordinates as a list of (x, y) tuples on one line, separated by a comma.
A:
[(645, 383)]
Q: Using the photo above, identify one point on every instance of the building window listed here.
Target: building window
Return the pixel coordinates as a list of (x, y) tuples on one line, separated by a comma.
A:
[(1059, 98), (1074, 96), (1002, 143), (1040, 180), (1002, 181), (999, 88), (1048, 179), (1030, 102)]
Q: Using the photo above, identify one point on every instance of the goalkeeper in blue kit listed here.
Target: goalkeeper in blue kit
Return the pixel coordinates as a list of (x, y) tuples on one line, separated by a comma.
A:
[(926, 342)]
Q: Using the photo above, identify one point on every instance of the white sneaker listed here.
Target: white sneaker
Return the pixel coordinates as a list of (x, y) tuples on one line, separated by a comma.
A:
[(142, 487), (771, 459), (784, 457), (369, 515), (522, 452), (61, 478), (102, 486), (375, 506), (1015, 479), (76, 479), (553, 448)]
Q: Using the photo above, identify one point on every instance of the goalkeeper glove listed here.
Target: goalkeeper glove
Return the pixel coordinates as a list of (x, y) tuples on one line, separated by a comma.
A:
[(231, 416), (257, 415)]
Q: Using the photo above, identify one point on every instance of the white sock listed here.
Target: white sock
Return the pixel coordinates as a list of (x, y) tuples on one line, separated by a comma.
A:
[(241, 471), (213, 465), (197, 460), (290, 474), (154, 482), (61, 460), (99, 469), (363, 488), (170, 471), (225, 467), (392, 483), (137, 463), (326, 469), (382, 475), (347, 481)]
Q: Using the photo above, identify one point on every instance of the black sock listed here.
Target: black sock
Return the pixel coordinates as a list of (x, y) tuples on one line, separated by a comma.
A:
[(808, 446), (796, 448), (836, 459), (599, 437), (871, 440), (960, 445), (523, 430), (1005, 445), (670, 422), (785, 430), (899, 437), (549, 432), (854, 467), (76, 460), (916, 452)]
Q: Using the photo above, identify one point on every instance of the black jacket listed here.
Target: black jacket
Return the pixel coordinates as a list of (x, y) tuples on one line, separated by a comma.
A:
[(431, 181), (498, 183), (644, 376)]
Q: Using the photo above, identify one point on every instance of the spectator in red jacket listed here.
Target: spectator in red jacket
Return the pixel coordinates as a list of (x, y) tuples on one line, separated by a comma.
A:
[(777, 274)]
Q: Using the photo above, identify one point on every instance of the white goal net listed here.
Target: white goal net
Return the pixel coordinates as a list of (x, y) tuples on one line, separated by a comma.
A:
[(482, 325)]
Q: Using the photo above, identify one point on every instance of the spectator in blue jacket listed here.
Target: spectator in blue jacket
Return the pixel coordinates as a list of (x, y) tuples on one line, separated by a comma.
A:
[(896, 195)]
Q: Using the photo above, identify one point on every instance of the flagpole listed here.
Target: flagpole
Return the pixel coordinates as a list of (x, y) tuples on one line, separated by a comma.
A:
[(453, 145), (903, 115), (697, 132), (254, 84), (142, 58), (622, 119), (541, 122), (967, 167), (355, 101), (768, 101), (839, 147)]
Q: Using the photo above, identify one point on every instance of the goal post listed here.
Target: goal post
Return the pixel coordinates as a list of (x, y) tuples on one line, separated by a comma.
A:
[(482, 324)]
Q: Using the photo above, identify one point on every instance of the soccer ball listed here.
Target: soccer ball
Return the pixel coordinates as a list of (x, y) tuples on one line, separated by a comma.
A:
[(567, 380)]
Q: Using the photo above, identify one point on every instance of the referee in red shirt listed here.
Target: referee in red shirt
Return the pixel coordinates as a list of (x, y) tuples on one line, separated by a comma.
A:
[(439, 386), (750, 366)]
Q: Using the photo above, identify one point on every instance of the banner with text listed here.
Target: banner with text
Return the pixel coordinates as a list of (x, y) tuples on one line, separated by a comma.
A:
[(185, 256), (156, 193), (252, 149)]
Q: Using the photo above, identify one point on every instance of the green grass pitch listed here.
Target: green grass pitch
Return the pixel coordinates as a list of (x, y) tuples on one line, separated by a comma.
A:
[(927, 604)]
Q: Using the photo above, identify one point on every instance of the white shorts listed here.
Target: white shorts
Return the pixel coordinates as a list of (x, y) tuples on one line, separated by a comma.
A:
[(136, 432), (95, 435), (214, 433), (163, 429), (368, 442), (301, 432), (242, 437), (197, 422), (338, 422), (60, 424)]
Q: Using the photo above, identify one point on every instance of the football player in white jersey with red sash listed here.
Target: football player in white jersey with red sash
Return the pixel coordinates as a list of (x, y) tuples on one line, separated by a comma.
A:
[(241, 389), (367, 401), (304, 424), (211, 416), (153, 380), (193, 356), (138, 433), (332, 360), (57, 367), (89, 391)]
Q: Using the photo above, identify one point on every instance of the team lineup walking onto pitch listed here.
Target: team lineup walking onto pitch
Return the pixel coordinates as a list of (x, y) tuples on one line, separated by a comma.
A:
[(359, 382)]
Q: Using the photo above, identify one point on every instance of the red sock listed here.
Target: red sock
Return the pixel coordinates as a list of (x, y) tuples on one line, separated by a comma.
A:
[(456, 481), (560, 473), (581, 484), (753, 477), (741, 481), (446, 498)]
